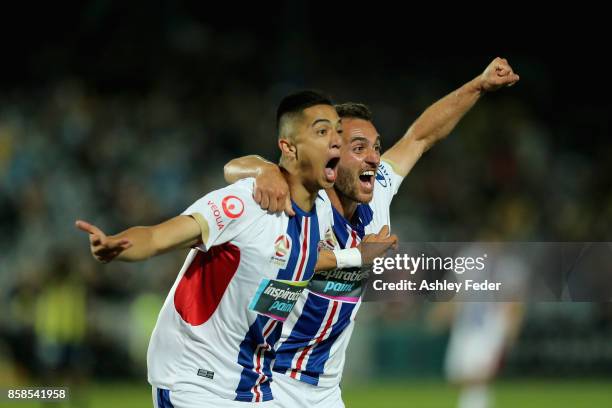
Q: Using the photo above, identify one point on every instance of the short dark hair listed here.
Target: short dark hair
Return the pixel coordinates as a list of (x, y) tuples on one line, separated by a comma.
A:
[(354, 110), (296, 103)]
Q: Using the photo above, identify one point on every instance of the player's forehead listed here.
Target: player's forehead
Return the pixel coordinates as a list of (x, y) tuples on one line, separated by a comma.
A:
[(320, 115), (359, 129)]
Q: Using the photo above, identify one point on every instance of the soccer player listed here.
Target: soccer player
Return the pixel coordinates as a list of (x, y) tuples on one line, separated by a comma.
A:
[(312, 348), (482, 329), (208, 348), (481, 333)]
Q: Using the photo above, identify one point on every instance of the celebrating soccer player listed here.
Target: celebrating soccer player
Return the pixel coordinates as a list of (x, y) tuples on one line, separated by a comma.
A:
[(314, 339), (213, 344)]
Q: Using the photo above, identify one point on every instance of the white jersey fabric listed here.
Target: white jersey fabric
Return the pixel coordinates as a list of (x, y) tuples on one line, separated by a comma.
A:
[(202, 398), (206, 338), (477, 341), (315, 336), (290, 393)]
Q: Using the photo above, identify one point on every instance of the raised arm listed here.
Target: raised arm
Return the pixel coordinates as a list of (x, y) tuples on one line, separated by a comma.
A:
[(437, 121), (271, 190), (140, 243)]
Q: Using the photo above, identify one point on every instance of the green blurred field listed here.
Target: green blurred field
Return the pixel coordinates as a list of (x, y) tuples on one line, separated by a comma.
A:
[(430, 394)]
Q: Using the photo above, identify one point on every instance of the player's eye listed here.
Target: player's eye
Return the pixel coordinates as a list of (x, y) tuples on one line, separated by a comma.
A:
[(322, 132), (358, 148)]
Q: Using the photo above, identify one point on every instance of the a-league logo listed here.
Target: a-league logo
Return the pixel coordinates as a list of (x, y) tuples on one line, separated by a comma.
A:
[(282, 246), (282, 250), (233, 206)]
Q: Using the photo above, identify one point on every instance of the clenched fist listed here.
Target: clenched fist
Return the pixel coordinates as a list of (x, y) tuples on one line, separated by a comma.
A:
[(498, 74)]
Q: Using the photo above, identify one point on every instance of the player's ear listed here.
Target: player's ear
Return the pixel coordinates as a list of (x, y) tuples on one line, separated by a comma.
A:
[(287, 148)]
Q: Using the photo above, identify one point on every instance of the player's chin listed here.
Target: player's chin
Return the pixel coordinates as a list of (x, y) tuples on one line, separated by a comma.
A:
[(325, 183), (365, 197)]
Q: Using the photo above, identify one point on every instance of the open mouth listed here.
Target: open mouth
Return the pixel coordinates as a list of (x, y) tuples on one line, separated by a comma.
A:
[(366, 179), (330, 169)]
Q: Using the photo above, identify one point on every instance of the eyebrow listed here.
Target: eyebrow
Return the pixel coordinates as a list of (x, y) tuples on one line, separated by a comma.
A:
[(320, 120), (364, 139)]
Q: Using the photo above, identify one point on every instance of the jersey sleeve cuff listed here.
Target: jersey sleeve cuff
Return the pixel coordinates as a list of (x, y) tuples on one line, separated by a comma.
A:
[(203, 227)]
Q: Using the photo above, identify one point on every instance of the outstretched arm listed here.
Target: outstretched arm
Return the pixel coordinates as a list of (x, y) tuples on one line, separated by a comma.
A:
[(271, 190), (441, 118), (139, 243)]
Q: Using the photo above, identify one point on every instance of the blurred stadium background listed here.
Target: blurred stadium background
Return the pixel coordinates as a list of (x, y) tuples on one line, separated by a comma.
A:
[(125, 114)]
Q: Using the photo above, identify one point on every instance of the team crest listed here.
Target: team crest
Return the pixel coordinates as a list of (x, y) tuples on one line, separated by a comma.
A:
[(329, 241), (380, 177)]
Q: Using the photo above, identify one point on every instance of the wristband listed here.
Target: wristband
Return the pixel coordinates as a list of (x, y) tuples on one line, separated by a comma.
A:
[(348, 258)]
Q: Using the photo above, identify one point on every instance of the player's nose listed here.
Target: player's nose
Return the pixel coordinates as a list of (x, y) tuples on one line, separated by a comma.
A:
[(335, 141), (373, 157)]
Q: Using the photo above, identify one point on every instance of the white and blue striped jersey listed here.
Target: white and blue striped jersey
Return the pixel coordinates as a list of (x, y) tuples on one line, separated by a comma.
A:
[(206, 337), (316, 334)]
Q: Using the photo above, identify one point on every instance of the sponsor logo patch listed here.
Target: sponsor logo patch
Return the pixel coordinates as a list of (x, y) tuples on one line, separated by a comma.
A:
[(217, 214), (232, 206), (276, 298), (345, 285)]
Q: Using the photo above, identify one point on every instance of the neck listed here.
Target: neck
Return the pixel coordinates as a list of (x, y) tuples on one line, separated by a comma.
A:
[(341, 203), (301, 196)]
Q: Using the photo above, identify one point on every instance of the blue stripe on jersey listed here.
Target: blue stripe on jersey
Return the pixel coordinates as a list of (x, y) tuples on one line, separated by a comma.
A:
[(340, 228), (163, 399), (320, 353), (248, 377), (294, 229), (362, 218), (315, 308), (314, 237), (303, 332)]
